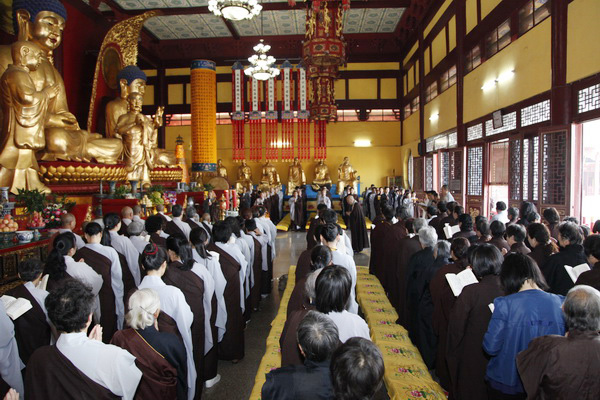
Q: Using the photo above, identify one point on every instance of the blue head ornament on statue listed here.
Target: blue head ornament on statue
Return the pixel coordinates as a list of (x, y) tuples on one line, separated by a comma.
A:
[(33, 7), (130, 73)]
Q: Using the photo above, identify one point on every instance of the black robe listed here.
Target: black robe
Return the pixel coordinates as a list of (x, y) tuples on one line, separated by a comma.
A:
[(158, 240), (274, 210), (590, 278), (379, 243), (173, 229), (391, 252), (500, 243), (311, 240), (407, 247), (417, 265), (358, 228), (554, 270), (232, 345)]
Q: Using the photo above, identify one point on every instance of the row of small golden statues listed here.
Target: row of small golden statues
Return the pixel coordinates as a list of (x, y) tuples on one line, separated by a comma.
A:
[(36, 122), (347, 176)]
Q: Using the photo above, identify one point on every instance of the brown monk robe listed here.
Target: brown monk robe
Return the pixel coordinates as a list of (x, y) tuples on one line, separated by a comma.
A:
[(406, 248), (32, 330), (211, 359), (158, 240), (50, 375), (391, 253), (159, 379), (303, 265), (290, 353), (357, 225), (274, 209), (443, 300), (256, 269), (192, 287), (590, 278), (232, 345), (469, 319), (172, 229), (500, 243), (128, 282), (298, 299), (379, 243), (166, 323), (102, 265), (311, 240)]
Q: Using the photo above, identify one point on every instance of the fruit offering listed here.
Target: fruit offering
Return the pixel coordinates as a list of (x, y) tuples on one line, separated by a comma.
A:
[(36, 221), (8, 224)]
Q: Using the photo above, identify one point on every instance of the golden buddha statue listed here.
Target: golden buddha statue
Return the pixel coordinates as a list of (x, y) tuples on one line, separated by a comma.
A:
[(24, 114), (296, 176), (244, 177), (160, 156), (346, 176), (221, 170), (322, 177), (64, 138), (131, 79), (136, 131), (270, 177)]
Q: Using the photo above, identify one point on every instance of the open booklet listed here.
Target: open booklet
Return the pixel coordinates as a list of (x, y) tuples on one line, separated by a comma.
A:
[(449, 231), (43, 283), (458, 281), (574, 272), (491, 306), (15, 307)]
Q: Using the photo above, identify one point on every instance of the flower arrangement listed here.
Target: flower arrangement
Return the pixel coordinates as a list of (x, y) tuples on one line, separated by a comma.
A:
[(121, 192), (44, 211), (170, 197)]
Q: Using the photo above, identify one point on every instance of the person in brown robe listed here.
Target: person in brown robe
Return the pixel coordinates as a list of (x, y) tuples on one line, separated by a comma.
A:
[(406, 248), (32, 329), (591, 247), (172, 228), (449, 218), (468, 322), (303, 265), (552, 220), (443, 300), (465, 222), (391, 252), (153, 226), (297, 212), (160, 356), (515, 237), (250, 225), (356, 225), (231, 346), (540, 242), (179, 274), (498, 229), (320, 257), (566, 367), (379, 244), (436, 222), (311, 238)]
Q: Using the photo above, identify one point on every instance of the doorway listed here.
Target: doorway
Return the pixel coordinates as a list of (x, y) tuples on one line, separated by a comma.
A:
[(498, 178), (590, 173)]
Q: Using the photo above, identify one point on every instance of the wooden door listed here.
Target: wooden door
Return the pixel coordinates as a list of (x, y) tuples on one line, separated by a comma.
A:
[(476, 177)]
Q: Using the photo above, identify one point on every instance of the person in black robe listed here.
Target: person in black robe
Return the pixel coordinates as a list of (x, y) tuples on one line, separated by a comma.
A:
[(297, 212), (465, 222), (591, 246), (357, 225), (541, 244), (274, 209), (379, 244), (153, 227), (497, 229), (311, 238), (468, 324), (570, 253)]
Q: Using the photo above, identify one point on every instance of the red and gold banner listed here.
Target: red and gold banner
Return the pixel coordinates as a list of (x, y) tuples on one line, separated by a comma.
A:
[(320, 139), (287, 114), (237, 115), (271, 122), (255, 121), (303, 114)]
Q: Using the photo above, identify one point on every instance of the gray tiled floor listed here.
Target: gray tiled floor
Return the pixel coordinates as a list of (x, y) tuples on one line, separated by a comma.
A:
[(237, 380)]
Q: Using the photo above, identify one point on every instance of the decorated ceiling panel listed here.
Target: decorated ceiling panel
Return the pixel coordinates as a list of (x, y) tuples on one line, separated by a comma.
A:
[(193, 26), (372, 20), (285, 22), (150, 4)]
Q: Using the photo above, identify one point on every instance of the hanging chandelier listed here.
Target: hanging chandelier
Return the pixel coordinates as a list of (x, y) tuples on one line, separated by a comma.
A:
[(261, 64), (235, 10)]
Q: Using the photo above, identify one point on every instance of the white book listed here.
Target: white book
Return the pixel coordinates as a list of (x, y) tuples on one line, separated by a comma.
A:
[(43, 283), (458, 281), (491, 306), (15, 307), (574, 272), (449, 231)]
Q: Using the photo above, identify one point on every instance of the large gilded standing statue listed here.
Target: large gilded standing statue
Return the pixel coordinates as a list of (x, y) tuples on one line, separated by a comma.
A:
[(24, 113), (221, 170), (43, 22), (322, 177), (346, 176), (244, 177), (270, 177), (136, 130), (296, 176)]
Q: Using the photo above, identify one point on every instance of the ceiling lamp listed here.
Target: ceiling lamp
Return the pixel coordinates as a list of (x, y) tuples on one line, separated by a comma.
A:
[(261, 67), (235, 10)]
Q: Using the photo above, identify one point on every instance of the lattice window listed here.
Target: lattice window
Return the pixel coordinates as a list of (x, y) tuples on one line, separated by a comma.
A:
[(444, 167), (429, 145), (588, 99), (418, 174), (475, 132), (509, 122), (456, 171), (428, 173), (554, 161), (452, 140), (440, 142), (535, 113), (535, 167), (475, 171), (515, 170), (526, 161)]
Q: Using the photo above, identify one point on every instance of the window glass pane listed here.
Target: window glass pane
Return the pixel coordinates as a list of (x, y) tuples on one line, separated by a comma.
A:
[(452, 76), (526, 18), (542, 10), (503, 35), (491, 44), (476, 56), (444, 83), (407, 111)]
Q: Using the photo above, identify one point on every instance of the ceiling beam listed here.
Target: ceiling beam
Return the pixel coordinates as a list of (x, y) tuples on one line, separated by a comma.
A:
[(231, 28)]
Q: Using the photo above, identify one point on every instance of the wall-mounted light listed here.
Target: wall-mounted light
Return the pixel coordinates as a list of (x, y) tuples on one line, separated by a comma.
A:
[(362, 143), (434, 117), (503, 77)]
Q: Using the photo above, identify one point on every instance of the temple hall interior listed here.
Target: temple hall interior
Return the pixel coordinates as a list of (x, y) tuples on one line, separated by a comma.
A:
[(285, 199)]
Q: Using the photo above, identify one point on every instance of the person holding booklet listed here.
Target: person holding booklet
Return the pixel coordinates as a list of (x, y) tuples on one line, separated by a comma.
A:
[(469, 320), (591, 246), (526, 312)]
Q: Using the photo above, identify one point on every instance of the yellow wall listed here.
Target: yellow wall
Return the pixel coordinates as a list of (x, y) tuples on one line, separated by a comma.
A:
[(410, 54), (471, 14), (388, 88), (583, 46), (410, 131), (532, 74), (487, 6), (405, 151), (373, 164), (445, 106), (438, 48), (452, 33), (362, 89), (436, 17)]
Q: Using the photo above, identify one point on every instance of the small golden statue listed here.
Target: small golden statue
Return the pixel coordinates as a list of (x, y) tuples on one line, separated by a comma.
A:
[(65, 140), (296, 176), (24, 114), (131, 79), (244, 178), (322, 177), (136, 130), (221, 170), (270, 177), (346, 176)]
